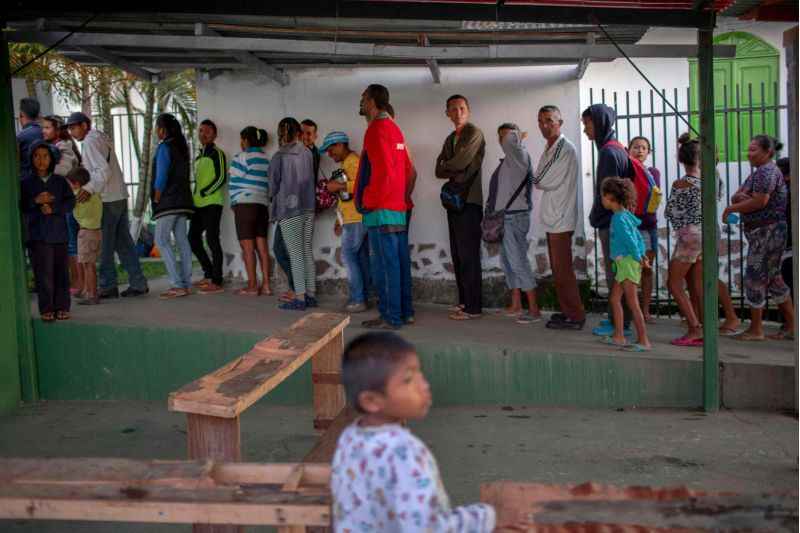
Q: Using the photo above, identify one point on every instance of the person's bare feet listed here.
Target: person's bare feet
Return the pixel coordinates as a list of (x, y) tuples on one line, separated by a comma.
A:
[(729, 327), (266, 290)]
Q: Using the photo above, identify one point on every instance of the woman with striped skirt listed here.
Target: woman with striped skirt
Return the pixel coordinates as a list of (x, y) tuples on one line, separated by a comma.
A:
[(292, 176)]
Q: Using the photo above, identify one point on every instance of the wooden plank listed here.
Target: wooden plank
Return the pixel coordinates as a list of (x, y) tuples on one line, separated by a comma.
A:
[(221, 506), (537, 507), (116, 472), (328, 397), (211, 437), (323, 450), (234, 387), (164, 491)]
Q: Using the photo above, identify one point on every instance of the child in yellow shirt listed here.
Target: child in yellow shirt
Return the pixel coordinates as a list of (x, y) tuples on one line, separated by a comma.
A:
[(89, 215)]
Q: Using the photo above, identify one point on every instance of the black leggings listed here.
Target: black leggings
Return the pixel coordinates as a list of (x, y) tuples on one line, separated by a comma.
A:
[(207, 220)]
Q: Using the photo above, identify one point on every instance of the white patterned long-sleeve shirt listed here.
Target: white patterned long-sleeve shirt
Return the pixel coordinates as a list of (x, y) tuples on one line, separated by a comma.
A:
[(384, 479)]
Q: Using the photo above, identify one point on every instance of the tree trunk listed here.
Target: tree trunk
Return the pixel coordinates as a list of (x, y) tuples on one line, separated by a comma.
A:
[(86, 94), (144, 161), (104, 103), (30, 85)]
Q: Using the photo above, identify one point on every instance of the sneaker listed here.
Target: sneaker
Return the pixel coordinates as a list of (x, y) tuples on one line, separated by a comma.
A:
[(379, 324), (294, 305), (565, 324), (356, 307), (311, 301), (527, 318), (558, 317), (131, 292), (108, 293)]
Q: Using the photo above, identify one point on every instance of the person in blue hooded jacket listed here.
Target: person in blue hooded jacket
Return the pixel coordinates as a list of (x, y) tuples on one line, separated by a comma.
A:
[(612, 161), (628, 254)]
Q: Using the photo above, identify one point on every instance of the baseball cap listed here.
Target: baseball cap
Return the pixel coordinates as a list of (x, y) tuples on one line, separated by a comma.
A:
[(334, 137), (77, 117)]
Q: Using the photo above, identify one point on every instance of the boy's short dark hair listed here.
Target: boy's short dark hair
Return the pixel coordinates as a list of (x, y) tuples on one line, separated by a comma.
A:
[(210, 124), (621, 190), (309, 122), (30, 108), (79, 175), (456, 97), (369, 361)]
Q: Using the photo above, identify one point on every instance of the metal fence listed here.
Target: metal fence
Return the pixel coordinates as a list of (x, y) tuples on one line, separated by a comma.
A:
[(125, 126), (742, 113)]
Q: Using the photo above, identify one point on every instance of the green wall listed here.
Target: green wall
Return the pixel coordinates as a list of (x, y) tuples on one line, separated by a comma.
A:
[(17, 363), (87, 362)]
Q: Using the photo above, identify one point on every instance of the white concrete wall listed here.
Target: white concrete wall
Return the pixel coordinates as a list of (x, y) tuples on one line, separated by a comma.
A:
[(331, 96)]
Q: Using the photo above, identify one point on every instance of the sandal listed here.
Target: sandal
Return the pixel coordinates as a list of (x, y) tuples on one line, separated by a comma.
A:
[(611, 342), (201, 283), (294, 305), (686, 342), (246, 292), (286, 297), (462, 315), (172, 293), (728, 332), (456, 308), (638, 348), (781, 335), (745, 336), (62, 315), (48, 317), (267, 291)]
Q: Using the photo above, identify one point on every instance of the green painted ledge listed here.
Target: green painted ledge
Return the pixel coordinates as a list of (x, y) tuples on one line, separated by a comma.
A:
[(103, 362)]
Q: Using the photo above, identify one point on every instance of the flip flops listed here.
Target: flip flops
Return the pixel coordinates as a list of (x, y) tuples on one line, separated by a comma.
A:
[(611, 342), (687, 342), (246, 292), (461, 315), (728, 332), (747, 337), (638, 348)]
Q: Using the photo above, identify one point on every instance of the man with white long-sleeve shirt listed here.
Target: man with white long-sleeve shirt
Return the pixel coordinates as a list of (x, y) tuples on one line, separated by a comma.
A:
[(107, 180), (558, 176)]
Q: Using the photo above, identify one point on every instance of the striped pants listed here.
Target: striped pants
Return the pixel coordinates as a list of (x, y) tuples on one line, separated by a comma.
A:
[(298, 233)]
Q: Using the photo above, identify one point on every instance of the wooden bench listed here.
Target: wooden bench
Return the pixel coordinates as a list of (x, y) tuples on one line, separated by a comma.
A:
[(214, 402), (177, 492), (592, 507)]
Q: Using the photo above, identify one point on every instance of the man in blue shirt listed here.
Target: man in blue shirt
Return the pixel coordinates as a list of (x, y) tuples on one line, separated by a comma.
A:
[(30, 132)]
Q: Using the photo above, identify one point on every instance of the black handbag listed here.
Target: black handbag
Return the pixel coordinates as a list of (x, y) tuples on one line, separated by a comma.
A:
[(454, 194), (492, 225)]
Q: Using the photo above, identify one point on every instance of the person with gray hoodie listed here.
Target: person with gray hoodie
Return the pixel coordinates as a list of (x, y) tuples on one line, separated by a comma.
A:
[(292, 176), (514, 169)]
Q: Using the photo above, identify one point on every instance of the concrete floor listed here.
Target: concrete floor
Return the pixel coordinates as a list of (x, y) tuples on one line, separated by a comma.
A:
[(732, 450), (238, 313)]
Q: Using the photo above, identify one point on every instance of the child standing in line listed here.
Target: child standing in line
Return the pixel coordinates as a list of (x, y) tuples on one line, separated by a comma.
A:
[(628, 254), (46, 198), (89, 215), (383, 477)]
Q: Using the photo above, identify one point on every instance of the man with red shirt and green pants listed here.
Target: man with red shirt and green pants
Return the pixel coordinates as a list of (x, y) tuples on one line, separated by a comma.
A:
[(381, 197)]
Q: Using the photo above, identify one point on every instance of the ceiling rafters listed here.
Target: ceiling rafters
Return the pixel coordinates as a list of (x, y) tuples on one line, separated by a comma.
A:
[(246, 57), (433, 65), (105, 56)]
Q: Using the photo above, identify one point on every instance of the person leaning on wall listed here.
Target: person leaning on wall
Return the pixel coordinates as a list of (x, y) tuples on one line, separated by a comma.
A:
[(460, 163)]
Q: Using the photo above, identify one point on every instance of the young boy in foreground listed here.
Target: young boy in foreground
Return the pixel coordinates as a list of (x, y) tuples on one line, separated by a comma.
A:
[(384, 478)]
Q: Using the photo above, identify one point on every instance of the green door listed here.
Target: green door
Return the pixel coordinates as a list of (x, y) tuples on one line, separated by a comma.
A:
[(743, 86)]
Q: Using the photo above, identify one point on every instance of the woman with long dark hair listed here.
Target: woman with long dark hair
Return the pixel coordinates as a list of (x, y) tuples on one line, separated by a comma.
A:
[(172, 205), (249, 190), (293, 180), (762, 202)]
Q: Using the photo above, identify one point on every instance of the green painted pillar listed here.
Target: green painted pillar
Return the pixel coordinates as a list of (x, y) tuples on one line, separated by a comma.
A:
[(18, 376), (710, 218)]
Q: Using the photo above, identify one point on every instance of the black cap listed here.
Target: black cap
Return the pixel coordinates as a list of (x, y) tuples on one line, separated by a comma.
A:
[(77, 117)]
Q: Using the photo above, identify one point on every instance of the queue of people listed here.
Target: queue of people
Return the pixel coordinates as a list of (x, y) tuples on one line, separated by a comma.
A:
[(372, 194)]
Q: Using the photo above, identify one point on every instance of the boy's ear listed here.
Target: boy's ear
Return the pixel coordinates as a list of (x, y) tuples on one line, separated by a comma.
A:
[(371, 402)]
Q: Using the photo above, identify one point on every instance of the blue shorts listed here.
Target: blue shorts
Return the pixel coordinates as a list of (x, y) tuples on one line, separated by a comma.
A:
[(72, 234)]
